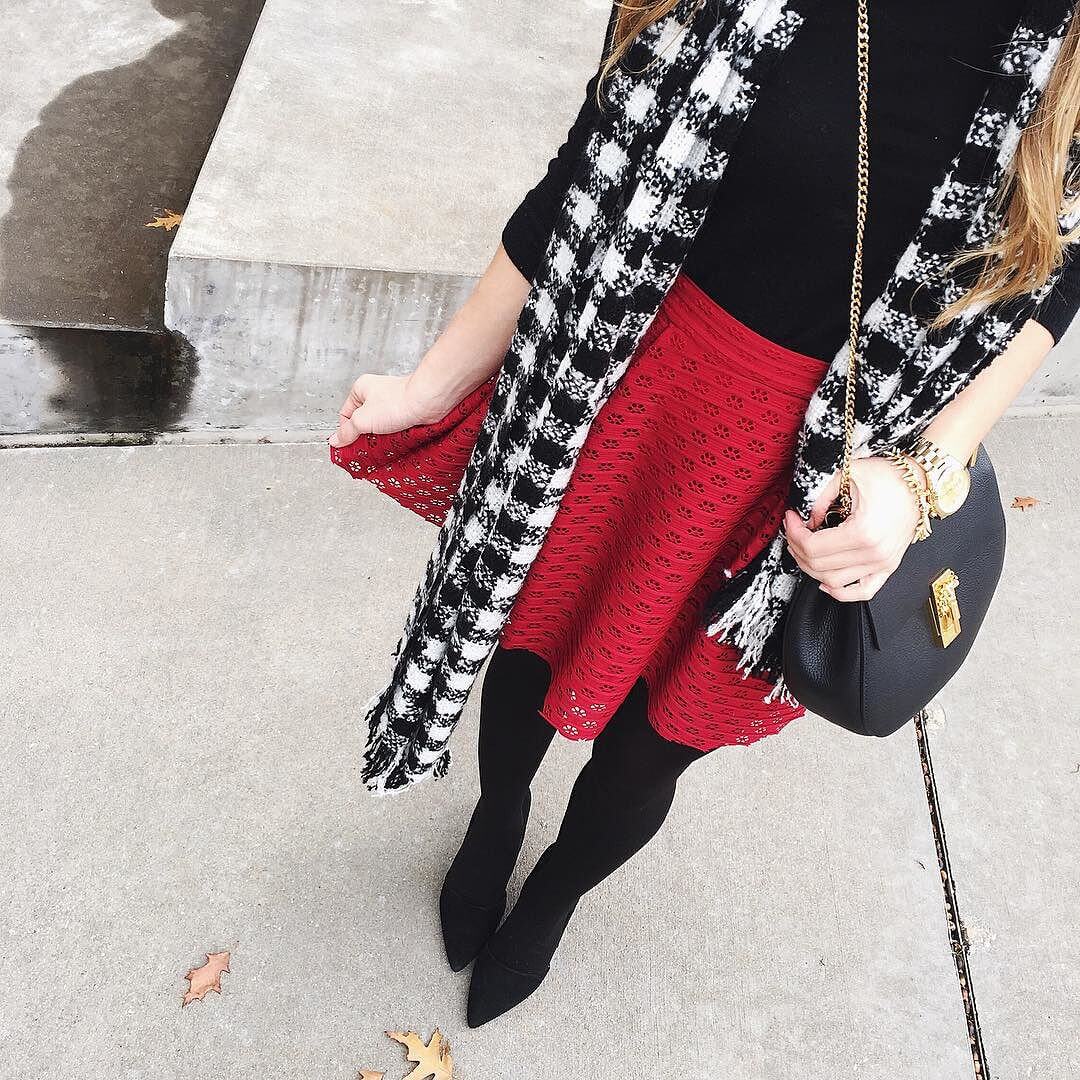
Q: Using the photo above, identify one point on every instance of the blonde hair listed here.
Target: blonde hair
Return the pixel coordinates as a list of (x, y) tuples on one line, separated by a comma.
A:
[(1037, 185)]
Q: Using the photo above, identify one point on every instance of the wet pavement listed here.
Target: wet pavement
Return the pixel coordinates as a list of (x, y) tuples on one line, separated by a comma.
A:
[(107, 119), (63, 381)]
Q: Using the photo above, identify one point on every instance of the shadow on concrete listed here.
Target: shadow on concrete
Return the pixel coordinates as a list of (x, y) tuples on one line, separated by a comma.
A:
[(114, 149), (105, 381)]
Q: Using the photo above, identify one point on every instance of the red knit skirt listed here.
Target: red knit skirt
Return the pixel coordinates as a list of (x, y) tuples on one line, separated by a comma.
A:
[(682, 480)]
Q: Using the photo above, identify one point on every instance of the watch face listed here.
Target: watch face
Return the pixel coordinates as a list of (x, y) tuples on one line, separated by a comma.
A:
[(952, 490)]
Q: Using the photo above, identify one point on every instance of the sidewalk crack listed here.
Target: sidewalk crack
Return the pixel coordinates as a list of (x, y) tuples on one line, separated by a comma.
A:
[(958, 941)]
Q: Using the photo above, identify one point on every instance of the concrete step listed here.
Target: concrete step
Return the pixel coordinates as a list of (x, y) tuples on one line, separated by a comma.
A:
[(109, 108), (357, 186)]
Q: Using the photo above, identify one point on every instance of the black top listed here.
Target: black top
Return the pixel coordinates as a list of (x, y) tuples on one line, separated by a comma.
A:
[(799, 144)]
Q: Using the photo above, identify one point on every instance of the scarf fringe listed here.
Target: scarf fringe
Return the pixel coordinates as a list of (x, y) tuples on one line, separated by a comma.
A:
[(780, 692), (385, 752), (748, 614)]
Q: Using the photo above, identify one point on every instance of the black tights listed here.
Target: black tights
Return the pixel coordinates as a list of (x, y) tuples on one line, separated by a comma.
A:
[(618, 802)]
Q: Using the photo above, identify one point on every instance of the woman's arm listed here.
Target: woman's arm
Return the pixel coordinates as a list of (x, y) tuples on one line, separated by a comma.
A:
[(854, 559), (465, 354), (966, 420), (474, 343)]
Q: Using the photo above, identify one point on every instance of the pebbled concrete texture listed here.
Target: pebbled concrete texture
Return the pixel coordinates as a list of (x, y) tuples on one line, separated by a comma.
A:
[(109, 107), (1007, 758), (188, 635)]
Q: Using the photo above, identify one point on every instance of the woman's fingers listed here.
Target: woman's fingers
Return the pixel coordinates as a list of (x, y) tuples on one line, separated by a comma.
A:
[(852, 555), (348, 430), (352, 427), (868, 558), (357, 395), (845, 570), (824, 501), (853, 559), (848, 538), (864, 589), (837, 579)]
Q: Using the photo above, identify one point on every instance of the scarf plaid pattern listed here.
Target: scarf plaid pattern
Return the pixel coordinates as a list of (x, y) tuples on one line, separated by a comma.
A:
[(637, 196)]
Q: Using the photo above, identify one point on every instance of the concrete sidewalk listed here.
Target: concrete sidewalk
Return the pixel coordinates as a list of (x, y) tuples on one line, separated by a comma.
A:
[(188, 634)]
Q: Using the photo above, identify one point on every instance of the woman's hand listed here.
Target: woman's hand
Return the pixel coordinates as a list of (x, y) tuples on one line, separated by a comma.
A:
[(381, 404), (852, 560), (468, 351)]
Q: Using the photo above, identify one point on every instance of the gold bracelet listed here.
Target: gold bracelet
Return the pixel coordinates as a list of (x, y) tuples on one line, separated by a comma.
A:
[(911, 478)]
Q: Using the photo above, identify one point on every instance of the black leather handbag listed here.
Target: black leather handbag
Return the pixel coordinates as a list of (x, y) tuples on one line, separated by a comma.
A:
[(871, 666)]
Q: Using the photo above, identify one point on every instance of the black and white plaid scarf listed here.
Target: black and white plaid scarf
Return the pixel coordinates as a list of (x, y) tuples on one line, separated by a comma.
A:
[(636, 199)]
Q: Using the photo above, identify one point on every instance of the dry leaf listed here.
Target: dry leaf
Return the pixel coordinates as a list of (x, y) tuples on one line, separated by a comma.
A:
[(367, 1074), (206, 978), (1024, 502), (433, 1061), (168, 222)]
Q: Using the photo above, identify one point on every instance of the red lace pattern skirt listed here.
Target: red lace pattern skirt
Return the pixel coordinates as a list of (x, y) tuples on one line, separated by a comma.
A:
[(681, 480)]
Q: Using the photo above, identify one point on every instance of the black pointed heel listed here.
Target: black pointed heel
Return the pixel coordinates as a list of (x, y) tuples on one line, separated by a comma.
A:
[(466, 922), (497, 986), (466, 925), (500, 982)]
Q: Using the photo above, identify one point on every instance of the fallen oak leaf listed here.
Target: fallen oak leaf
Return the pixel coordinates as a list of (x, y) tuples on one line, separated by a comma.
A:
[(206, 978), (1024, 502), (168, 222), (433, 1060), (367, 1074)]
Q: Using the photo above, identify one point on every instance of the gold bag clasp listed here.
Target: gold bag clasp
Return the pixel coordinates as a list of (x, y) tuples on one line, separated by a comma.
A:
[(944, 608)]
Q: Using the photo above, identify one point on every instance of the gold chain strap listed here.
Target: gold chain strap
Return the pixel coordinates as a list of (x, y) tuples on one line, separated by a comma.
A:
[(856, 275)]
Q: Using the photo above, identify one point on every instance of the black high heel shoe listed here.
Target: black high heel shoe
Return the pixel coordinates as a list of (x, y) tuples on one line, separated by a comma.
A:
[(467, 923), (498, 984)]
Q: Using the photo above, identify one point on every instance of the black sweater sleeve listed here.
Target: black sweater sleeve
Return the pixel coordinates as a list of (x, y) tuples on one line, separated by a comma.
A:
[(1056, 312), (526, 233)]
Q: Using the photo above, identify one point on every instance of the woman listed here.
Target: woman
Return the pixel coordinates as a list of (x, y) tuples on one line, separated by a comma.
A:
[(634, 492)]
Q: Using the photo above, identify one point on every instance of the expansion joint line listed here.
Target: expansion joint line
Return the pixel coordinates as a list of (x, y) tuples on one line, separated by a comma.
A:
[(958, 941)]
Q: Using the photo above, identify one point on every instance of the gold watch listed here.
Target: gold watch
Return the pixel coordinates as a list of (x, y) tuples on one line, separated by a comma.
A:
[(947, 479)]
